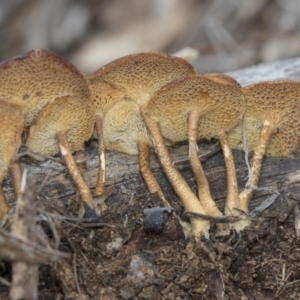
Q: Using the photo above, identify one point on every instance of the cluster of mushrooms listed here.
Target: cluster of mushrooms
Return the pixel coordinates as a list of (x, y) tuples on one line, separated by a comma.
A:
[(141, 102)]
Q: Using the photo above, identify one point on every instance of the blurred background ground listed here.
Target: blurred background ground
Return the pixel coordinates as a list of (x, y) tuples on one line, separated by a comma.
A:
[(228, 34)]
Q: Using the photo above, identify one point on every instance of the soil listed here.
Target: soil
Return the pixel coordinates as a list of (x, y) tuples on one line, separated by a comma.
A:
[(120, 259)]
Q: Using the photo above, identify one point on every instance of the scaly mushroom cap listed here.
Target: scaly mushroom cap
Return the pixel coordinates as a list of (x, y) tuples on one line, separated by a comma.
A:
[(71, 114), (221, 78), (277, 102), (220, 106), (38, 77), (11, 126), (138, 76), (123, 126)]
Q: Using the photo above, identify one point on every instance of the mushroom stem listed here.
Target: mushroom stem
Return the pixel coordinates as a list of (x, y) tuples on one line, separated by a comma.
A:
[(101, 149), (99, 189), (3, 204), (144, 161), (232, 200), (204, 194), (188, 198), (74, 172), (265, 137), (16, 176)]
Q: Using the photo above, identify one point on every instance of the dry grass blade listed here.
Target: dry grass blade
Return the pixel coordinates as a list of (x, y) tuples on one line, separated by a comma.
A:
[(215, 149)]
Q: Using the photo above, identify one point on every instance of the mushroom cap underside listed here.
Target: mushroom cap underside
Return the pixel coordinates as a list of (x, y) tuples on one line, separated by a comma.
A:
[(69, 114), (220, 107), (104, 96), (123, 127), (38, 77), (275, 102), (139, 75)]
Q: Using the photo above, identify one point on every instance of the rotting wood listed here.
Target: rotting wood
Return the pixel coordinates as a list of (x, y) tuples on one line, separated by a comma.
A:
[(123, 170)]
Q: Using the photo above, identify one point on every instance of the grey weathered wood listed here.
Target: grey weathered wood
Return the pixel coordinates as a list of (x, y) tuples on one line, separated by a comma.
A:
[(285, 69), (123, 170)]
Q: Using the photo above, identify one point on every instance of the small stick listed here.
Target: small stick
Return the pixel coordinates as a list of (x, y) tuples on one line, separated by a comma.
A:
[(75, 273), (297, 221), (44, 182), (25, 276), (246, 151), (35, 155), (221, 219)]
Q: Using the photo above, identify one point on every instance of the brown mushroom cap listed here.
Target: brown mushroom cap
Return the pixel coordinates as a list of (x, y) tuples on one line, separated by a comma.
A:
[(220, 106), (71, 114), (38, 77), (221, 78), (138, 76), (277, 102)]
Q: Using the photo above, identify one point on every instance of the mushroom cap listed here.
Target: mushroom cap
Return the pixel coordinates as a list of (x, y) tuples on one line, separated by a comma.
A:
[(38, 77), (138, 76), (123, 126), (277, 102), (71, 114), (11, 126), (221, 78), (219, 105)]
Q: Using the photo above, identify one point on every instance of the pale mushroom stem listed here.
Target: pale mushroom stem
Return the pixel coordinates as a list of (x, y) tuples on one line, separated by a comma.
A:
[(144, 161), (74, 172), (16, 176), (265, 137), (3, 202), (101, 149), (204, 194), (100, 185), (232, 200), (188, 198)]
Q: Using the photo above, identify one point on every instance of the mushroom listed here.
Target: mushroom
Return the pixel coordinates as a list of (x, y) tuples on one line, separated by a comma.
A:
[(11, 126), (117, 91), (38, 77), (196, 106), (64, 125), (271, 126)]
